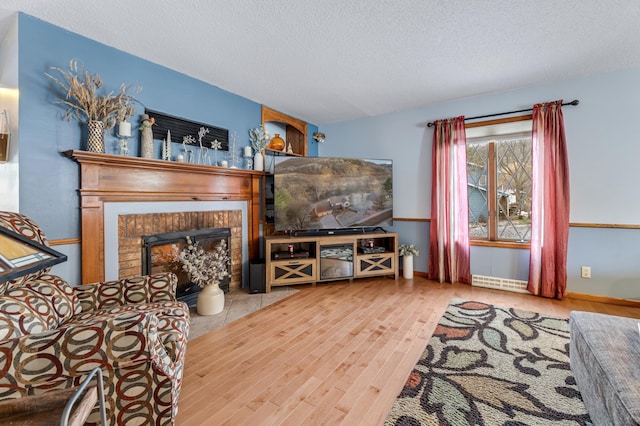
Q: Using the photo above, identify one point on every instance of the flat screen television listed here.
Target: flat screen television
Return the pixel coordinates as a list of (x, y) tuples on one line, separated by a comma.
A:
[(323, 193)]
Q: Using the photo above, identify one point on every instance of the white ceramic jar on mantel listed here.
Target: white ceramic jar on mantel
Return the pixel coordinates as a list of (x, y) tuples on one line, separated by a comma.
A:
[(258, 162)]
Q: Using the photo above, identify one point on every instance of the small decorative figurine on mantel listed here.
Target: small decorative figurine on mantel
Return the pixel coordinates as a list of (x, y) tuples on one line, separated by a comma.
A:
[(216, 145), (166, 147), (204, 151), (188, 152), (233, 154), (146, 136)]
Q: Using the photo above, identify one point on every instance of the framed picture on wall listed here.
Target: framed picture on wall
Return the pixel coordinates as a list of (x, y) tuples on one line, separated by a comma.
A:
[(20, 255)]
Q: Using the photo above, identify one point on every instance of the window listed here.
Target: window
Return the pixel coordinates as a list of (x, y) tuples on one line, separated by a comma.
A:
[(499, 182)]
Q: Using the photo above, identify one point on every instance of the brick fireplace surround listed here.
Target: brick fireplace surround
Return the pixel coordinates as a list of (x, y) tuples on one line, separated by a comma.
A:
[(131, 228), (114, 179)]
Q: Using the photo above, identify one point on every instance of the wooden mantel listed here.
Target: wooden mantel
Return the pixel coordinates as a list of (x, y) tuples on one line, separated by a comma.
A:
[(114, 178)]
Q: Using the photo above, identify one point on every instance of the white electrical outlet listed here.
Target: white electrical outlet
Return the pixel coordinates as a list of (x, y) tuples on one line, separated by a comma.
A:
[(585, 272)]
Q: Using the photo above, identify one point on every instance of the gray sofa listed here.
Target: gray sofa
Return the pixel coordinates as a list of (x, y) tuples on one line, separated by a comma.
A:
[(604, 355)]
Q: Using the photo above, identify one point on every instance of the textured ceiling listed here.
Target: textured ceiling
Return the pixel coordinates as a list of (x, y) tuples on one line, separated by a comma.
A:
[(332, 60)]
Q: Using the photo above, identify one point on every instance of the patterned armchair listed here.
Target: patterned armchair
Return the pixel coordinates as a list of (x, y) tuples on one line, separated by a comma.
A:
[(52, 335)]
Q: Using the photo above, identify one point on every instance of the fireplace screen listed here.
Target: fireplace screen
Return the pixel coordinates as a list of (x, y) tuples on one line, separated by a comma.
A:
[(158, 256)]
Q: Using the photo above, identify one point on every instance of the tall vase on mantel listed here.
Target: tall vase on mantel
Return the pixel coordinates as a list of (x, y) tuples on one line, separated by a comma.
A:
[(258, 161), (146, 137), (95, 136), (210, 300)]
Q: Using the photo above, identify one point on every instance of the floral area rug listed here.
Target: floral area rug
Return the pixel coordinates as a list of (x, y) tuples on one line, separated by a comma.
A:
[(487, 365)]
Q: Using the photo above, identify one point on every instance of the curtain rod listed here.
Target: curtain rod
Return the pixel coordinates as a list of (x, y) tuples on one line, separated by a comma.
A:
[(573, 103)]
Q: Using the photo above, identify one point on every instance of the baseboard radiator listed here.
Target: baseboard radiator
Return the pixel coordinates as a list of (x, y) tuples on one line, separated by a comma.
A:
[(515, 286)]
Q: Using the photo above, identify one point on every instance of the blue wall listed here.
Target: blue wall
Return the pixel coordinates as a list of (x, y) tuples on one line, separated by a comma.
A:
[(48, 180), (603, 159)]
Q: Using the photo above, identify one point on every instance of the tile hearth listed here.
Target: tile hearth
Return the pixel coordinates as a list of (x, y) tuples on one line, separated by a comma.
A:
[(237, 304)]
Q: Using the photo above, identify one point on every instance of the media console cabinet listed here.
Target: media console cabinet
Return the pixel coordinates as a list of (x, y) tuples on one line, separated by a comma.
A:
[(312, 259)]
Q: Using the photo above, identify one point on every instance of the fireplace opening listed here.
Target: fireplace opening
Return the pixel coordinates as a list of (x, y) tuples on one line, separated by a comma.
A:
[(158, 256)]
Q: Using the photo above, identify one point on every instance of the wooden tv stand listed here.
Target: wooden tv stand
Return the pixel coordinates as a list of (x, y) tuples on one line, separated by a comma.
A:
[(313, 259)]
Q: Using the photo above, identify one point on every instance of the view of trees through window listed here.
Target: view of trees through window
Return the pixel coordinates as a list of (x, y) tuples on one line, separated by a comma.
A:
[(499, 189)]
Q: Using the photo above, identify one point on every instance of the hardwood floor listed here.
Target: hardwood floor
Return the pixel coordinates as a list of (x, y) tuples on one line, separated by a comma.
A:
[(332, 354)]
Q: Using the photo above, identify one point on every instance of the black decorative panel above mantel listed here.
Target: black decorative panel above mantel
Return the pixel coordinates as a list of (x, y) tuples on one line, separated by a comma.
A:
[(181, 127)]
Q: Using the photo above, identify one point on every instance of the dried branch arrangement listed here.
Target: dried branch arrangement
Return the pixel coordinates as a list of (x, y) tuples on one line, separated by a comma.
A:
[(83, 100), (203, 267)]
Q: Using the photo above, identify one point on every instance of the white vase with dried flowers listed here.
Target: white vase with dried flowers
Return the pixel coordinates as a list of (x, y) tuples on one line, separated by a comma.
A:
[(207, 269), (87, 102), (407, 251), (259, 138)]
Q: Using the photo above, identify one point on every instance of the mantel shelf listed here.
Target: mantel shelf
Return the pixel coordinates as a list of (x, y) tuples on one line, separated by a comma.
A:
[(137, 162)]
